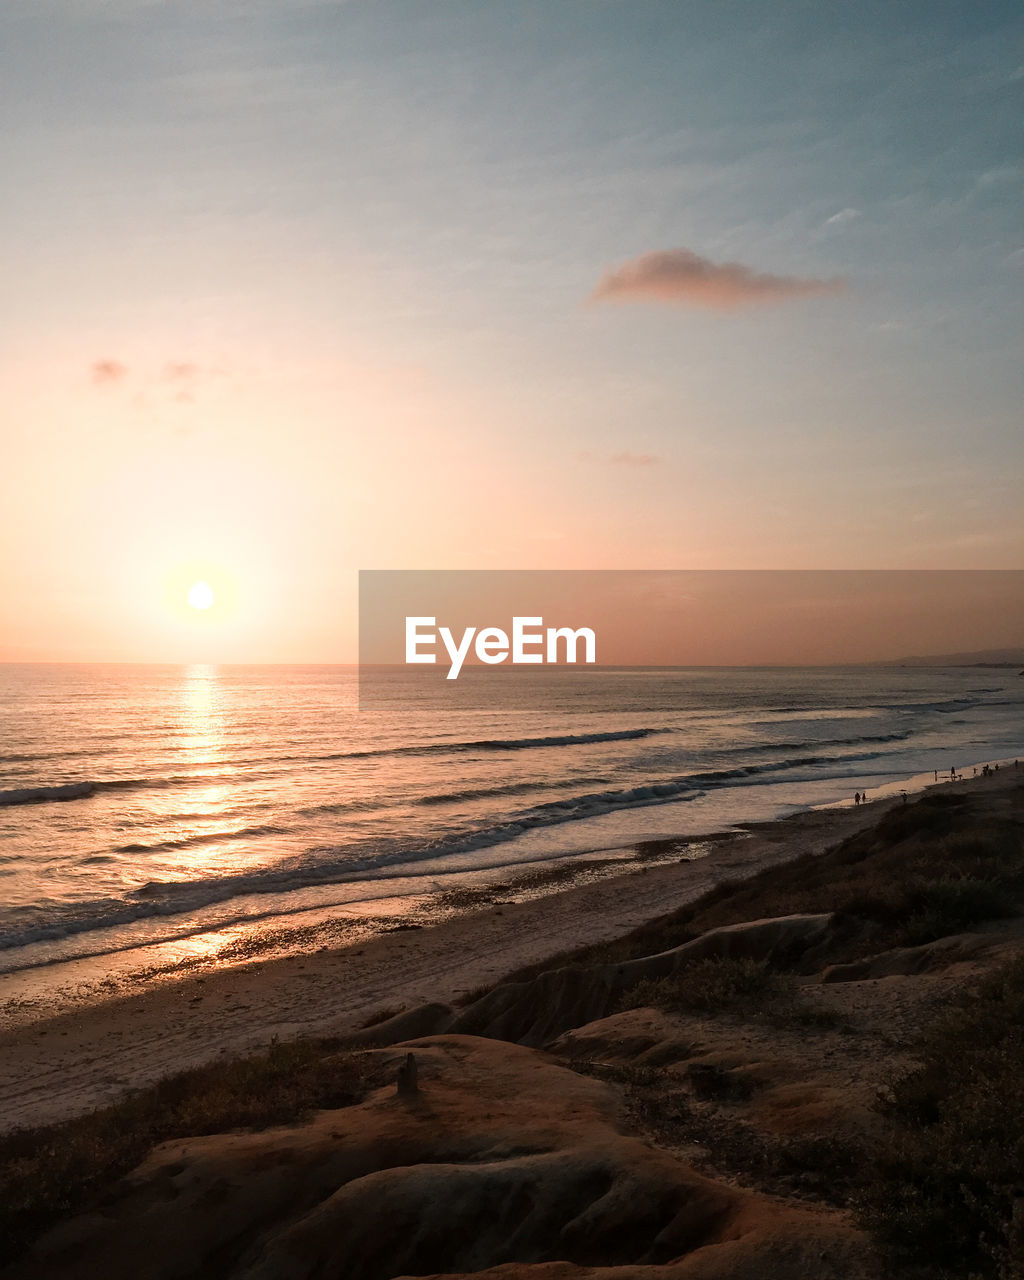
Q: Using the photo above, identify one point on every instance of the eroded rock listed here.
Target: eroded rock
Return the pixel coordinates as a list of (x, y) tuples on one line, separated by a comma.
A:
[(502, 1159)]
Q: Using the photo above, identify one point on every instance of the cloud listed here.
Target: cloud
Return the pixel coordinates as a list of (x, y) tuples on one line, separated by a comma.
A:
[(178, 381), (679, 276), (105, 372), (624, 459), (1001, 174), (182, 376), (844, 215), (628, 459)]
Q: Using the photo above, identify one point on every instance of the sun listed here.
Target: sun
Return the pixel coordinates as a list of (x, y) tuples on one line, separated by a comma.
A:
[(200, 595)]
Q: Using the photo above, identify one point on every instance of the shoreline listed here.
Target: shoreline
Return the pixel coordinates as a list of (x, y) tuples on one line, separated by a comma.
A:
[(59, 1065), (46, 987)]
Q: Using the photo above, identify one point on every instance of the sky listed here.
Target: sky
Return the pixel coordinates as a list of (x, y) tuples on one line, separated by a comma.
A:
[(294, 289)]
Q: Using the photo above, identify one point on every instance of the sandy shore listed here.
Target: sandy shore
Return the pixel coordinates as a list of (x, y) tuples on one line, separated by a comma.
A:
[(58, 1066)]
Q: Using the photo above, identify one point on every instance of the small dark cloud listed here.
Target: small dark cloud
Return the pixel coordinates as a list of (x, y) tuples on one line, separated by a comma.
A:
[(627, 459), (182, 377), (686, 279), (179, 380), (624, 459), (106, 372)]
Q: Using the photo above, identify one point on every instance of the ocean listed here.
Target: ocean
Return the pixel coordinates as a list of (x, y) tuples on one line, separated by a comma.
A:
[(144, 806)]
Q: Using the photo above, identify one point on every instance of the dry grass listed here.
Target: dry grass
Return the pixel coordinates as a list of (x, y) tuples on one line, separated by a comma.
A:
[(710, 986), (946, 1192), (700, 1115), (887, 874), (928, 869), (381, 1015), (50, 1172), (719, 986)]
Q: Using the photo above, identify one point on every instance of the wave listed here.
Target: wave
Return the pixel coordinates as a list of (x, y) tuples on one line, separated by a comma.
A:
[(375, 859), (206, 837), (84, 789), (583, 739), (508, 789), (228, 774), (35, 756), (947, 706), (40, 795), (335, 865), (501, 744), (869, 709), (759, 748)]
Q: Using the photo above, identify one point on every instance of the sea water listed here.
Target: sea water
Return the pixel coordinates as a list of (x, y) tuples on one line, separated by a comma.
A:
[(143, 804)]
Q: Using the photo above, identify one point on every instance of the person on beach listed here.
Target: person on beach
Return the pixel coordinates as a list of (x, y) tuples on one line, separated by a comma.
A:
[(856, 797)]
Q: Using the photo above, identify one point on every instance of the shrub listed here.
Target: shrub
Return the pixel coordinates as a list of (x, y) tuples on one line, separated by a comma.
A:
[(708, 986), (953, 905), (52, 1171), (712, 1083), (946, 1192), (874, 879), (381, 1015)]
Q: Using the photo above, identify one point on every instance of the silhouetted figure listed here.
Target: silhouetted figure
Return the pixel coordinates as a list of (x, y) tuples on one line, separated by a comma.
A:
[(856, 797), (407, 1077)]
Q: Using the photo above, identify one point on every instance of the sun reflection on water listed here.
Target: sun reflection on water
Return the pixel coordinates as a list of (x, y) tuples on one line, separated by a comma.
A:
[(202, 719), (204, 753)]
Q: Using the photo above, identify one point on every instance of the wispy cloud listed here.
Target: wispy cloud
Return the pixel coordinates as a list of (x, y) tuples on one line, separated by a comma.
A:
[(686, 279), (844, 215), (627, 459), (999, 175), (105, 372), (178, 380), (182, 377), (624, 459)]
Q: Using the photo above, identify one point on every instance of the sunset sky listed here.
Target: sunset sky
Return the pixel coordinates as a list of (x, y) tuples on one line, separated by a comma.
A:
[(293, 289)]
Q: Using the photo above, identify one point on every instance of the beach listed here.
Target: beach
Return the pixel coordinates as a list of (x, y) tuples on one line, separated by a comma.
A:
[(678, 1065), (93, 1051)]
